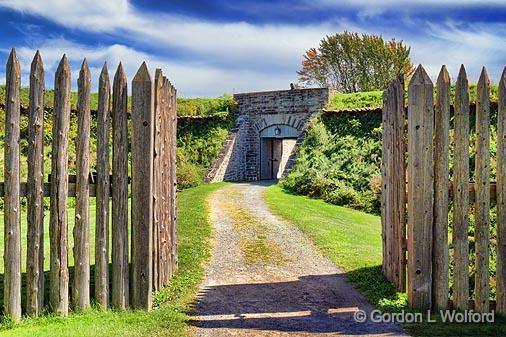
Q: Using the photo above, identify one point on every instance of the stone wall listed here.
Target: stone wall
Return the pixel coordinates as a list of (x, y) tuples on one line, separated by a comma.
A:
[(239, 160)]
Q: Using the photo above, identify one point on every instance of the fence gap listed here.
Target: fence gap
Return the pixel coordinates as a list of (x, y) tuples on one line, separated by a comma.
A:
[(173, 179), (501, 197)]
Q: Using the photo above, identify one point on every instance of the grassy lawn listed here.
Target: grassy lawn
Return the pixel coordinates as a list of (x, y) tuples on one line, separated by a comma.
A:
[(352, 240), (368, 99), (172, 303)]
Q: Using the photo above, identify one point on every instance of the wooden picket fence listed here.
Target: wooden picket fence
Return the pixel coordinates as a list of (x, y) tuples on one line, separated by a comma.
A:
[(419, 246), (152, 252)]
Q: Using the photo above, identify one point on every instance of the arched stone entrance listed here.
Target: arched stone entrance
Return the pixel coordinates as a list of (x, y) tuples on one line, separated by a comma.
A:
[(253, 142)]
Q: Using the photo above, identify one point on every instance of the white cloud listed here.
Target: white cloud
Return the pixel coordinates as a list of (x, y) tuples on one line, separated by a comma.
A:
[(190, 79), (236, 55), (403, 4), (237, 43), (454, 44), (223, 57)]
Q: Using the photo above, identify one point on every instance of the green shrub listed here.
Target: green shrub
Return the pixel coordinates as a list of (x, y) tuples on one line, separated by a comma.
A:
[(188, 173), (337, 160)]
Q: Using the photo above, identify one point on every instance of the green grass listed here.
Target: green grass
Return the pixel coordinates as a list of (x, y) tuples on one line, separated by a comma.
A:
[(370, 99), (352, 240), (185, 106), (173, 303), (374, 99)]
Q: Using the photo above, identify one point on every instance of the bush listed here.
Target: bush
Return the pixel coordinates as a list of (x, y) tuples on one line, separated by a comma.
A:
[(338, 159), (188, 173)]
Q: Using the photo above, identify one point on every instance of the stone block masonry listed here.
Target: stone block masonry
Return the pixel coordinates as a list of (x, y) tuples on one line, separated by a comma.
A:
[(239, 159)]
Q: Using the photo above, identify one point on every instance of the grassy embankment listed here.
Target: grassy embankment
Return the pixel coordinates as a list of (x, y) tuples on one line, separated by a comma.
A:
[(374, 99), (352, 239), (173, 303)]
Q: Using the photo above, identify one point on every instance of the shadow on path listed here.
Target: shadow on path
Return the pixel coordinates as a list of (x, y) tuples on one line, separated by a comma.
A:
[(294, 306)]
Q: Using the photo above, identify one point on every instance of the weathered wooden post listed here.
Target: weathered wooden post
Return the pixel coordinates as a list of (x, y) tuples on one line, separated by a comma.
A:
[(142, 187), (482, 190), (461, 193), (501, 197), (420, 189), (440, 259), (81, 287), (12, 214), (120, 277), (103, 186), (58, 226), (393, 196), (35, 187)]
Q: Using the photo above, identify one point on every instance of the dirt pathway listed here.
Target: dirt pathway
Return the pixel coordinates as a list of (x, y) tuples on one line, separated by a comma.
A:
[(266, 279)]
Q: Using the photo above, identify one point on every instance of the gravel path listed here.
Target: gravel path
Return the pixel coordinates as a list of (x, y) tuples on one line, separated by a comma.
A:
[(266, 279)]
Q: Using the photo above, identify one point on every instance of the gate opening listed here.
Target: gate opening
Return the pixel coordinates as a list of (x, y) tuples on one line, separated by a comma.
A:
[(274, 154)]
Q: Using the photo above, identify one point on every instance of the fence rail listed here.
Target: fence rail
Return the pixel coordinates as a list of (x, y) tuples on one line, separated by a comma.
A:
[(153, 185), (430, 191)]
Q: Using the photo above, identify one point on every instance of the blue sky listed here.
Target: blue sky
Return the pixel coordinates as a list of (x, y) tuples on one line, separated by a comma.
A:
[(208, 48)]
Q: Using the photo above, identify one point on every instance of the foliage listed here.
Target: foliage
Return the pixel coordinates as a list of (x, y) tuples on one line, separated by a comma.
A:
[(198, 143), (339, 159), (350, 62)]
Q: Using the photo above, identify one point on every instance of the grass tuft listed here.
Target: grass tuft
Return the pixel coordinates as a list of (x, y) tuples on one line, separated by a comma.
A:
[(254, 242)]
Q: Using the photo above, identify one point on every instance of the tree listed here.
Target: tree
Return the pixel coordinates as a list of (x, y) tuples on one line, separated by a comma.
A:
[(350, 62)]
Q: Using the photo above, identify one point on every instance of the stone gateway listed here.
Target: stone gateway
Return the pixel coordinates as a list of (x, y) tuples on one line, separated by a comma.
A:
[(263, 143)]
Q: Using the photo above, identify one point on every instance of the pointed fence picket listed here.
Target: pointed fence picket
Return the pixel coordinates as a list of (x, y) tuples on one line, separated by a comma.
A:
[(430, 192), (103, 192), (153, 191), (35, 189)]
